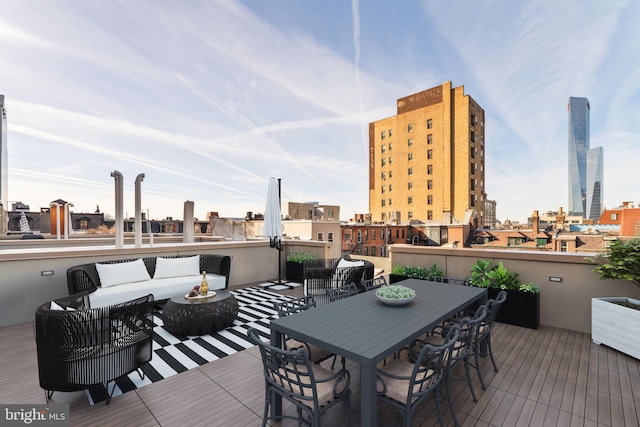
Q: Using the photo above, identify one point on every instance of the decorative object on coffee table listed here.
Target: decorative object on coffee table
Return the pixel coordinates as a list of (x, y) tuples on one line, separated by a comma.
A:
[(184, 316)]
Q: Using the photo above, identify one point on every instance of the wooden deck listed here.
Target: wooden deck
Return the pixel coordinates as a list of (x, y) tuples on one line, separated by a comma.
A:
[(547, 377)]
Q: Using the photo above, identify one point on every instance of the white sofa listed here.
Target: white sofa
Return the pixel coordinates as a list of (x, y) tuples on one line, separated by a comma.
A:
[(112, 282)]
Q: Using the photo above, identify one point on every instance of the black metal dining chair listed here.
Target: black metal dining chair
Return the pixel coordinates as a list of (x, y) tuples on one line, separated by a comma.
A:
[(297, 305), (310, 387), (405, 382)]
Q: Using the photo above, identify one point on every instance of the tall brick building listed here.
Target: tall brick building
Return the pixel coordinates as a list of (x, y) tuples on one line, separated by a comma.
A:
[(427, 162)]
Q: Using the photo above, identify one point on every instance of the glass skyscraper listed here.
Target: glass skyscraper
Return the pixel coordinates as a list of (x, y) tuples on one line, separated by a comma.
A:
[(578, 146), (586, 170), (595, 189)]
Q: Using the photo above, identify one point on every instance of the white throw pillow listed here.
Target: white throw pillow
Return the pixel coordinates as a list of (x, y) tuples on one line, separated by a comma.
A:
[(122, 272), (177, 267), (55, 306), (344, 263)]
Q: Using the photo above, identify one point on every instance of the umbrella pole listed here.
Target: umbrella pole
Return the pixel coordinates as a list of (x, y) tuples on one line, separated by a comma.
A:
[(276, 242)]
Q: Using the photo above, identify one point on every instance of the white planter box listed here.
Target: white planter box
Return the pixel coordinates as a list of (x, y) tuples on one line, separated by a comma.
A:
[(616, 326)]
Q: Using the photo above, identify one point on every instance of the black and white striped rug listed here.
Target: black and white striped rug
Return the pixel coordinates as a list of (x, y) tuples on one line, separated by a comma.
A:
[(173, 354)]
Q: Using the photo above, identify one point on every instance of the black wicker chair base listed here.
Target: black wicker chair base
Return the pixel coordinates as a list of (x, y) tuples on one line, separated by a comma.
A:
[(82, 347)]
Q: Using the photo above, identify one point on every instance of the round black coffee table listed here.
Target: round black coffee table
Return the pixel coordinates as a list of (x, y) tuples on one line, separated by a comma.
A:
[(199, 317)]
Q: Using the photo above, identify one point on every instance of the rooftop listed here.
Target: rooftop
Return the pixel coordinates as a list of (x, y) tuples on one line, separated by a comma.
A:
[(549, 376)]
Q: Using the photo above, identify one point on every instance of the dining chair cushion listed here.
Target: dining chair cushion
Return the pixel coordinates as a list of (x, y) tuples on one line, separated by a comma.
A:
[(315, 353), (327, 390), (396, 388)]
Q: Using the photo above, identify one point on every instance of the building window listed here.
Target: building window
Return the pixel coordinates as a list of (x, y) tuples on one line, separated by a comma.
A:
[(390, 202), (430, 184), (474, 120), (429, 169), (347, 237), (390, 146), (410, 214), (390, 187), (410, 127), (383, 216), (473, 136), (410, 142), (410, 171), (383, 148), (410, 185), (384, 203), (321, 236), (410, 156), (330, 236), (390, 174), (359, 236), (390, 132), (390, 159), (541, 241), (429, 215), (429, 199), (382, 189), (429, 124), (473, 184), (384, 176), (410, 200), (614, 217), (429, 154), (373, 251), (472, 200), (384, 162), (382, 135), (373, 234)]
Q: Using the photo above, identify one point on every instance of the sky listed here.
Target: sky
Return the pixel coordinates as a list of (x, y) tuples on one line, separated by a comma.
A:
[(209, 99)]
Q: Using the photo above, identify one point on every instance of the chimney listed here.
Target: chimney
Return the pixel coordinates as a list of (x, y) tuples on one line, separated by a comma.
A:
[(560, 219), (536, 223)]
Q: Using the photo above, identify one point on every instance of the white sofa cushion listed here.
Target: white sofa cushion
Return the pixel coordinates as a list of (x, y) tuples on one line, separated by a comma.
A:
[(160, 288), (122, 272), (177, 267)]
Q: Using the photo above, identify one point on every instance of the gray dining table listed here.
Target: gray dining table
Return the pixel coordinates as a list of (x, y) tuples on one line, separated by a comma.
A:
[(366, 331)]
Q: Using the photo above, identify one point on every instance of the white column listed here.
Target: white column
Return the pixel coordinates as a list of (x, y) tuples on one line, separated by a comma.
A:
[(138, 221), (187, 223), (119, 207)]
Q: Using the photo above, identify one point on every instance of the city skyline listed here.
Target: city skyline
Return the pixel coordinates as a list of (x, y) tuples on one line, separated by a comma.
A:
[(212, 98)]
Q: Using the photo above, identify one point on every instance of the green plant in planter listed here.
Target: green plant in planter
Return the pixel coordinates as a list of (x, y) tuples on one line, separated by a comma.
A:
[(479, 274), (622, 262), (486, 275), (529, 287), (300, 257), (503, 279), (417, 272)]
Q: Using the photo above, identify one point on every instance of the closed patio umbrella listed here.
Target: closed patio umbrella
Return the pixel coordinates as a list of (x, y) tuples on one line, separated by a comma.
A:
[(273, 223), (24, 223)]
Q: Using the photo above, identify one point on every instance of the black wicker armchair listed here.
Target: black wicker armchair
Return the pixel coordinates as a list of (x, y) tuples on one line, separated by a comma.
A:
[(79, 346), (323, 274)]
